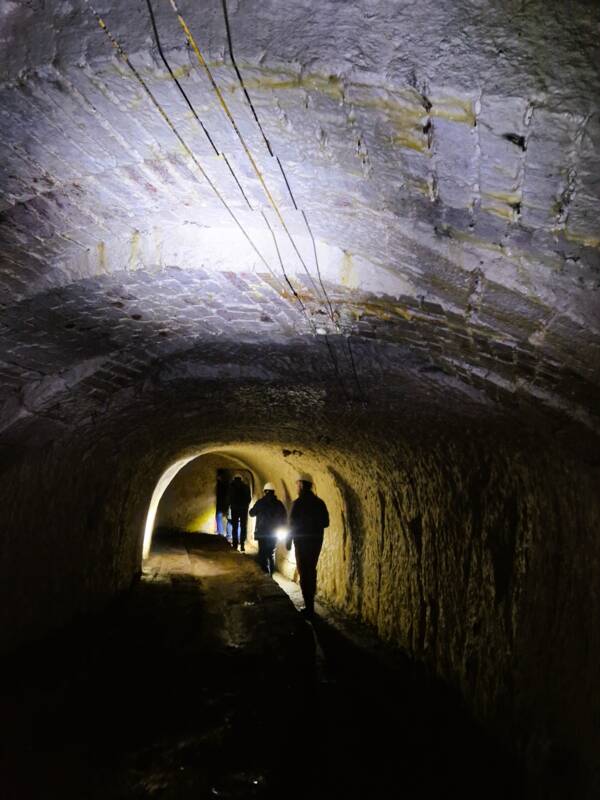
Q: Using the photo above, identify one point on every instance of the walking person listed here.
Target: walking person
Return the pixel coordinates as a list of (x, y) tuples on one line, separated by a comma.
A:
[(308, 519), (270, 514), (222, 503), (239, 500)]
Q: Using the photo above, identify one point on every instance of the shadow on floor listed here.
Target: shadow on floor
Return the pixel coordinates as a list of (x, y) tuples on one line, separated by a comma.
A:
[(200, 682)]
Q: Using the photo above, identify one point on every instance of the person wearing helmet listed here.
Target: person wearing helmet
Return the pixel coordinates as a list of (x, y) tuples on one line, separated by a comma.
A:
[(239, 500), (308, 519), (270, 514)]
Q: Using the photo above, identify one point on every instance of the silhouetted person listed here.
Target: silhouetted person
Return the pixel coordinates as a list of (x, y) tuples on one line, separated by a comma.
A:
[(222, 503), (270, 514), (239, 500), (308, 519)]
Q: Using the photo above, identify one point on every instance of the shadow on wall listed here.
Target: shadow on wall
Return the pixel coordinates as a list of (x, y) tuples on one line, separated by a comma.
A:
[(353, 532)]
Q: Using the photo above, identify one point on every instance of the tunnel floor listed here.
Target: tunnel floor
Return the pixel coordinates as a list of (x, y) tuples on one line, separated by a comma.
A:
[(204, 681)]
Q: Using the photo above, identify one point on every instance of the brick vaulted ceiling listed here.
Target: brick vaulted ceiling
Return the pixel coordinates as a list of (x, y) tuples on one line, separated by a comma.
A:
[(419, 211)]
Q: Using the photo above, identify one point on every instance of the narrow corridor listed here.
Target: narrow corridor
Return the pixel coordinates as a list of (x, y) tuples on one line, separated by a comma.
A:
[(201, 683), (358, 239)]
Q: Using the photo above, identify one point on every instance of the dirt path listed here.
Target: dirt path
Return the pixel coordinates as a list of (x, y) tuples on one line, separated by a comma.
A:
[(202, 683)]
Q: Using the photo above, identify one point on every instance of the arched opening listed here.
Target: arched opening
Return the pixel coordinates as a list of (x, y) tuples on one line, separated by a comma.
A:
[(355, 238), (190, 504), (184, 496)]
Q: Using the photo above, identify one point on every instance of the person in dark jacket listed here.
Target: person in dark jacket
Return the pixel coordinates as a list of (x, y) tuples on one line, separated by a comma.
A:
[(222, 502), (270, 514), (239, 500), (308, 519)]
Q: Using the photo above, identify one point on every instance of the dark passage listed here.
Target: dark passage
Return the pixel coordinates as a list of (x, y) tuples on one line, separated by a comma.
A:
[(202, 683), (354, 238)]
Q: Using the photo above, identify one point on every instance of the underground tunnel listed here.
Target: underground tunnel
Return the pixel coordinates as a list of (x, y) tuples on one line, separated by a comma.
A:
[(358, 239)]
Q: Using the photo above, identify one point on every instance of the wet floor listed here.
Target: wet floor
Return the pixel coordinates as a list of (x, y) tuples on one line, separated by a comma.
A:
[(204, 681)]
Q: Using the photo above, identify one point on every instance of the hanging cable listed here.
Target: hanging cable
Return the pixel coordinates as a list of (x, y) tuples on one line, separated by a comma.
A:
[(189, 152), (202, 61), (283, 172), (331, 352), (241, 80), (287, 183), (314, 244), (190, 104), (123, 55), (172, 74), (285, 275), (332, 313)]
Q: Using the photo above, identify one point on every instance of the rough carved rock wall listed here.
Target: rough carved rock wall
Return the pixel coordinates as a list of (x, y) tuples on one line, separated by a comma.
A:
[(442, 372), (470, 543)]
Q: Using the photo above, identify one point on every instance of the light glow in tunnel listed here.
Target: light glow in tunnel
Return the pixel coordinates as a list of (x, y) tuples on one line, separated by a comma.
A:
[(163, 483), (193, 500), (360, 239)]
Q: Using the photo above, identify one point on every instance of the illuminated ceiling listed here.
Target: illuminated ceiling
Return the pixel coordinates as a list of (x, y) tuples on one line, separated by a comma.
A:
[(410, 201)]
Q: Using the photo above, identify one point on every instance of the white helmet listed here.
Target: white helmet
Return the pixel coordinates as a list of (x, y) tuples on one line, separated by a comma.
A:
[(304, 477), (268, 487), (236, 476)]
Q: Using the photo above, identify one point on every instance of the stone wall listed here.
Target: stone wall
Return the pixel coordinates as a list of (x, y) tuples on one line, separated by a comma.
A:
[(472, 546), (189, 502), (481, 559), (422, 332)]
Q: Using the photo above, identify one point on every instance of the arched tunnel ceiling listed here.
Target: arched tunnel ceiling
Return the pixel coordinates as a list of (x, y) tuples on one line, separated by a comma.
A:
[(445, 157)]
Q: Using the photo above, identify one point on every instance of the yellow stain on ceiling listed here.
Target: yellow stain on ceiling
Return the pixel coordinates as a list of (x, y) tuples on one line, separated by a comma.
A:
[(504, 208), (348, 276), (404, 313), (504, 212), (282, 80), (421, 146), (580, 238), (180, 72), (102, 257), (404, 110), (510, 198), (405, 113), (418, 185), (382, 311), (454, 109)]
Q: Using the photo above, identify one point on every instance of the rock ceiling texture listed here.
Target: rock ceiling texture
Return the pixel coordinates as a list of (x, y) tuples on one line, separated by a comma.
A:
[(356, 237), (339, 194)]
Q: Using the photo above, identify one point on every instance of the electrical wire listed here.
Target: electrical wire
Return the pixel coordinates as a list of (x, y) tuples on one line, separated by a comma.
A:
[(287, 183), (190, 104), (226, 110), (191, 107), (123, 55), (331, 352), (285, 275), (172, 74), (325, 294), (271, 151), (189, 152), (241, 80), (314, 244)]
